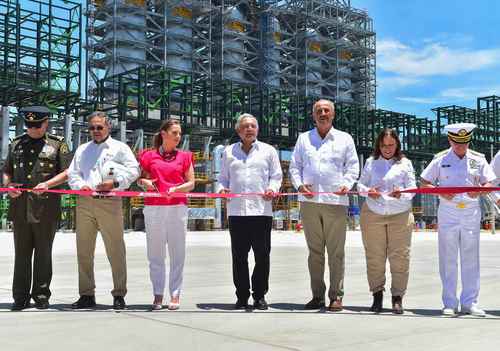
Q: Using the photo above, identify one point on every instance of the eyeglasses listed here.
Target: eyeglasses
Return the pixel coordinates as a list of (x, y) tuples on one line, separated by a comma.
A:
[(92, 128)]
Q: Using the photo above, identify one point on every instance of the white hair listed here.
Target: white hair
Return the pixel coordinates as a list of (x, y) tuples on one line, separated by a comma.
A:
[(242, 117), (99, 114), (332, 106)]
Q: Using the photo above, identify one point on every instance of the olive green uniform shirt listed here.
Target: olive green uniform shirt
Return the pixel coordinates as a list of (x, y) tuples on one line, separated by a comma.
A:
[(30, 162)]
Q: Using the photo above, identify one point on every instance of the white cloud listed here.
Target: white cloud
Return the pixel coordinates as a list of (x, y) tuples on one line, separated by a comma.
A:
[(395, 82), (471, 92), (453, 95), (451, 39), (433, 59), (422, 100)]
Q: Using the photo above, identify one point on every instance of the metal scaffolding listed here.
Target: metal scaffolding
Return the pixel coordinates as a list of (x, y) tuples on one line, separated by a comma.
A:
[(329, 50), (309, 47), (488, 111), (40, 50), (486, 116)]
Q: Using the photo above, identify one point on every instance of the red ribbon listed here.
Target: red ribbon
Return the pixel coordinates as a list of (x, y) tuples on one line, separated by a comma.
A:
[(451, 190), (123, 193)]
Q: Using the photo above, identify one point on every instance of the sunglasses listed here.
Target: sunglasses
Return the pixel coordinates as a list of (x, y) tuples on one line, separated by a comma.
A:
[(36, 126), (92, 128)]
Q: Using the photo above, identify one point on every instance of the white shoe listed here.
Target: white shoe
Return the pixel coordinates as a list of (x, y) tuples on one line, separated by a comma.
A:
[(449, 311), (156, 306), (474, 311), (174, 304)]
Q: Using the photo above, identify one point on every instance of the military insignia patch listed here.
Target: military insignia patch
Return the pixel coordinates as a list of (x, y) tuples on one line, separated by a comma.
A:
[(64, 149), (48, 149), (462, 132), (473, 164), (30, 116)]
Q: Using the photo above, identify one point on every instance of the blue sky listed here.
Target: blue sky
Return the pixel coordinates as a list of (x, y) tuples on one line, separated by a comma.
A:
[(435, 53)]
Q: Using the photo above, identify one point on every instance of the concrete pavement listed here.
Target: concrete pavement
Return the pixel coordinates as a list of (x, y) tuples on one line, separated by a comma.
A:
[(207, 322)]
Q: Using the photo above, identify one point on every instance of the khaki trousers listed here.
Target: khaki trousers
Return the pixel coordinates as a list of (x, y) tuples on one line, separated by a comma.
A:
[(387, 237), (325, 226), (104, 215)]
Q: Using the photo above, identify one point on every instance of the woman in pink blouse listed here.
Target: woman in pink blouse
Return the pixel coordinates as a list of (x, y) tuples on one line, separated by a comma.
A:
[(166, 169)]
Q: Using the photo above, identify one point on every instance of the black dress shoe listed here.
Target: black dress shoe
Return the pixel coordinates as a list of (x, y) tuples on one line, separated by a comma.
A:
[(315, 304), (85, 301), (378, 300), (119, 303), (397, 305), (42, 303), (20, 305), (260, 304), (241, 304)]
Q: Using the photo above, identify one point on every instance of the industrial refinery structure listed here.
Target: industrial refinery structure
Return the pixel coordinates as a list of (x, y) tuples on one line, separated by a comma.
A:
[(204, 62)]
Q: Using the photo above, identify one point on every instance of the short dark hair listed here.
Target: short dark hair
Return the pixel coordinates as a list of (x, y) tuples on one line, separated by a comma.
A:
[(398, 154)]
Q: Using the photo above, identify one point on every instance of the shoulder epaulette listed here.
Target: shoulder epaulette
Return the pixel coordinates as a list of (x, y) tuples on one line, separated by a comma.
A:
[(17, 140), (475, 153), (55, 137), (441, 153), (19, 137)]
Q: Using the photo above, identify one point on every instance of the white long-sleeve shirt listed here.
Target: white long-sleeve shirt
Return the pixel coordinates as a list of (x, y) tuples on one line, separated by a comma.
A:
[(326, 164), (387, 175), (254, 172), (92, 162), (495, 164)]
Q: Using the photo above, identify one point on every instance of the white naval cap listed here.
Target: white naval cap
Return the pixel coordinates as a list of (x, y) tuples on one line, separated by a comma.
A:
[(460, 133)]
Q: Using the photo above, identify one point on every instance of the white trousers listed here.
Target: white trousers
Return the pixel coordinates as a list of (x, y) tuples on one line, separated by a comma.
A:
[(166, 226), (458, 231)]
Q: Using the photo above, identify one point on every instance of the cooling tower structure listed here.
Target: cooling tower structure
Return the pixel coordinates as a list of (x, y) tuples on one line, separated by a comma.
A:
[(310, 64), (128, 37), (271, 50), (312, 48), (236, 41), (124, 35), (176, 45), (116, 41), (331, 46)]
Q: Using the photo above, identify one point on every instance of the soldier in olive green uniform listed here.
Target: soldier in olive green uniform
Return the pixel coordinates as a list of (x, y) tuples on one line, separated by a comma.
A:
[(36, 160)]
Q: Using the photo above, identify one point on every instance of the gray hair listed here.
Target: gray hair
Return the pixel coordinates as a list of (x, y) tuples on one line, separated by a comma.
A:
[(99, 114), (242, 117), (324, 100)]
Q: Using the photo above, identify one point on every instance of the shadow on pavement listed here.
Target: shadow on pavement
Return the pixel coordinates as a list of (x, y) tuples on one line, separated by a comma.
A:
[(424, 312), (216, 306), (287, 306)]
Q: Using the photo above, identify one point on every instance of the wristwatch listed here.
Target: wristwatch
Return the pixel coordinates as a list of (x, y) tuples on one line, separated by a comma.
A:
[(116, 184)]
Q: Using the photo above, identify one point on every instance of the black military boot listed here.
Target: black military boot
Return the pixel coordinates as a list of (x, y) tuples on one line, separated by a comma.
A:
[(378, 299), (397, 305), (20, 305)]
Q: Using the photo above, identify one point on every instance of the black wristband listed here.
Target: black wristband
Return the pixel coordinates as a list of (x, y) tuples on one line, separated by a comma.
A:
[(116, 184)]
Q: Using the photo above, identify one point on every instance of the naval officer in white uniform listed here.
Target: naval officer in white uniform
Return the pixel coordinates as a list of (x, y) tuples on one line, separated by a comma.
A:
[(459, 217)]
